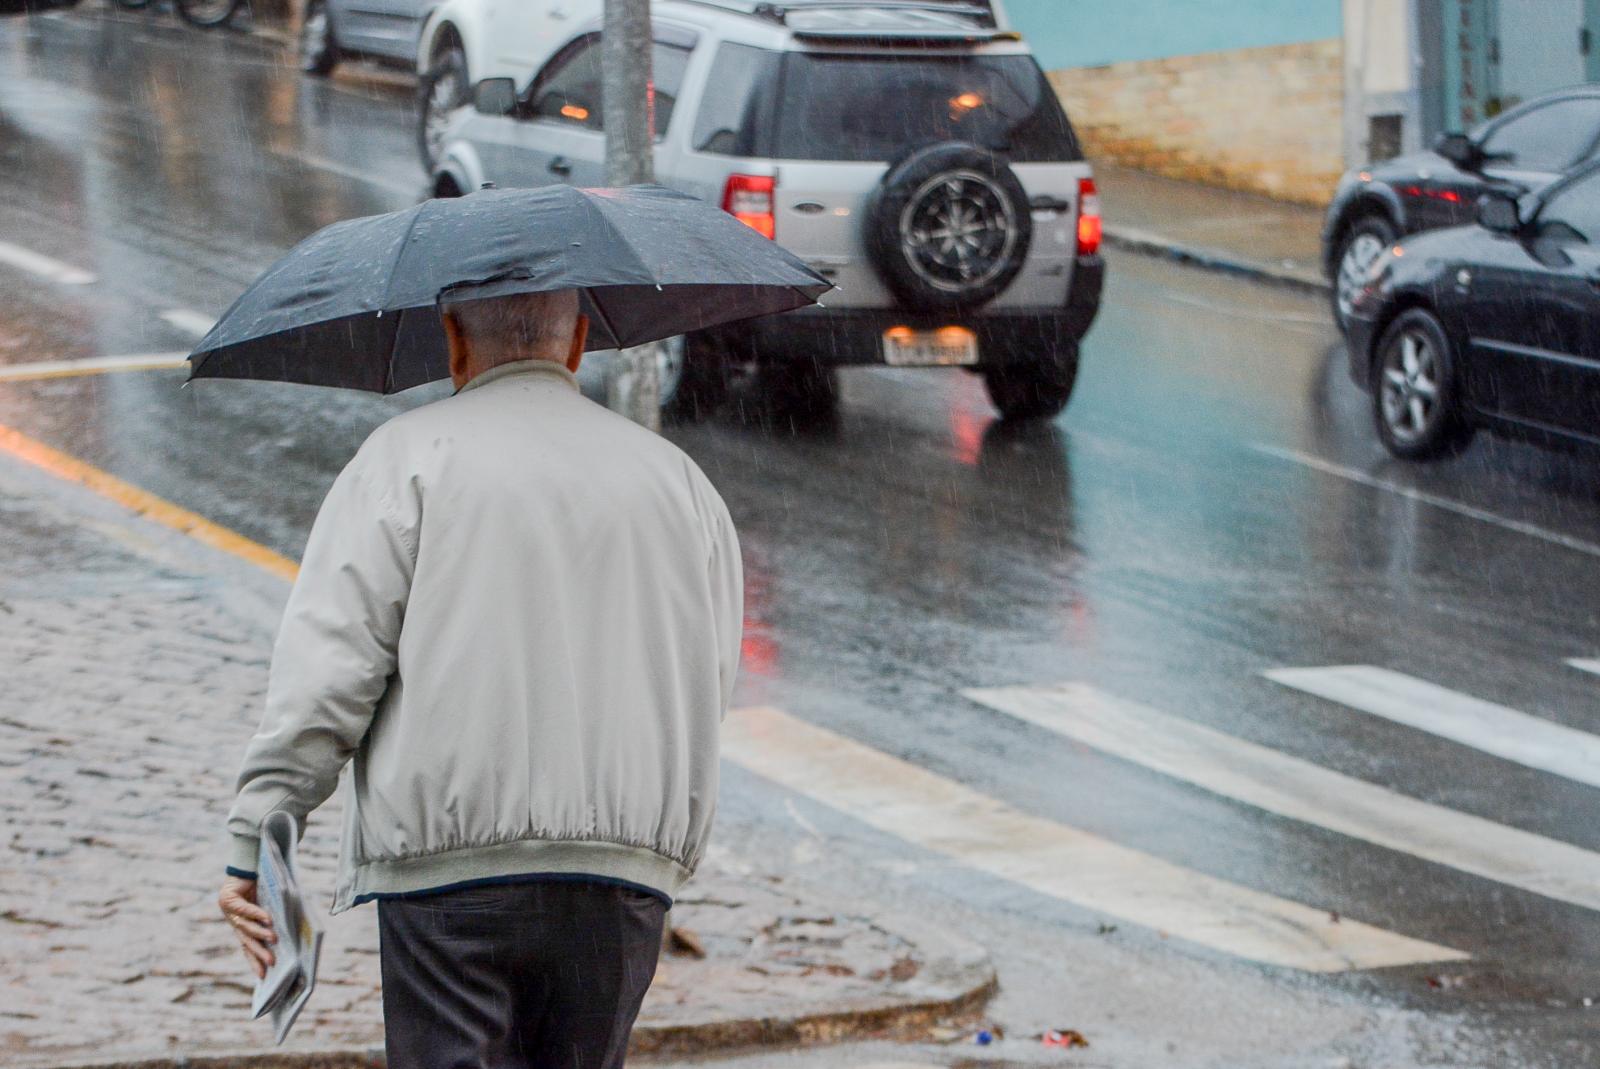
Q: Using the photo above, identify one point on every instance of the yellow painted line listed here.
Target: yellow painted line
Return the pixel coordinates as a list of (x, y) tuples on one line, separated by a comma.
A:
[(144, 503), (94, 365)]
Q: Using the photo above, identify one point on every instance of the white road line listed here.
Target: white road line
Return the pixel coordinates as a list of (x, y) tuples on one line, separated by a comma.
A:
[(345, 170), (1355, 475), (1300, 790), (1055, 859), (196, 323), (43, 266), (94, 365), (1585, 664), (1494, 729)]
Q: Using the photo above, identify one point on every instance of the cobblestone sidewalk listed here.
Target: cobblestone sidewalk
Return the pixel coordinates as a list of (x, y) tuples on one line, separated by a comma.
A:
[(134, 662)]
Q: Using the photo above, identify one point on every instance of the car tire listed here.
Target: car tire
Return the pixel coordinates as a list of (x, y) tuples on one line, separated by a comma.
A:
[(319, 48), (800, 391), (1416, 389), (693, 378), (951, 184), (1032, 391), (440, 91), (1361, 242)]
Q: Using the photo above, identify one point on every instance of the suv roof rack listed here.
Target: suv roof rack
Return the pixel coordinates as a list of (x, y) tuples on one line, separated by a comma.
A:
[(885, 21)]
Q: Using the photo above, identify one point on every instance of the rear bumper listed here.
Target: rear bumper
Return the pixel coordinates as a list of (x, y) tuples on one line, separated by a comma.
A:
[(838, 337)]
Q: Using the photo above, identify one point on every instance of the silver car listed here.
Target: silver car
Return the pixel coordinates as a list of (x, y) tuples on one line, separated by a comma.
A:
[(912, 152)]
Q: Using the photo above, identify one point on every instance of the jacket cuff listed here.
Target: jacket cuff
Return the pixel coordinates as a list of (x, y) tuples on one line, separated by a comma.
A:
[(243, 853)]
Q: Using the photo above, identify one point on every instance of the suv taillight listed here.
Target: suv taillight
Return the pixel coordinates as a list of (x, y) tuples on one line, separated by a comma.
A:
[(749, 199), (1088, 217)]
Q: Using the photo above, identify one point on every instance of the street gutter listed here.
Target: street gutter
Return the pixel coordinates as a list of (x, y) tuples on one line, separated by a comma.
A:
[(960, 980)]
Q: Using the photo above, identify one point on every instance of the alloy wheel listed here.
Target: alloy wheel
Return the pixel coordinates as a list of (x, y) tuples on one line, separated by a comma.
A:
[(957, 231), (669, 368), (314, 32), (207, 13), (1358, 258), (445, 93), (1410, 386)]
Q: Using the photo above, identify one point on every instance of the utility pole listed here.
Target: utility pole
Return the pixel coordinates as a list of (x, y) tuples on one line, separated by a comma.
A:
[(633, 387)]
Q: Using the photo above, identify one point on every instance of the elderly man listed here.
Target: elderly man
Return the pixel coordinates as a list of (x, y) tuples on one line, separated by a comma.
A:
[(518, 621)]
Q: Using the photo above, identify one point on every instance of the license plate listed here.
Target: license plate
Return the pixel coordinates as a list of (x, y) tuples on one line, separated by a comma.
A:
[(904, 347)]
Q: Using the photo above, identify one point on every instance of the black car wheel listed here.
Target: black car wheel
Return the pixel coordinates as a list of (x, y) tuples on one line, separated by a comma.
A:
[(1362, 243), (319, 49), (441, 91), (949, 227), (1032, 391), (1415, 397), (798, 391), (692, 374)]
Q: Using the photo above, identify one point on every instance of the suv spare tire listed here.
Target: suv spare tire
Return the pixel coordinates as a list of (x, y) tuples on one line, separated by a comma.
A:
[(949, 226)]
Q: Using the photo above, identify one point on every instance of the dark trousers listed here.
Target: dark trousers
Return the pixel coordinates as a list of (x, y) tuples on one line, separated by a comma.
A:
[(542, 975)]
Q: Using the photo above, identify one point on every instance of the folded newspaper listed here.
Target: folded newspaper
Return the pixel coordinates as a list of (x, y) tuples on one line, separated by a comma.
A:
[(287, 985)]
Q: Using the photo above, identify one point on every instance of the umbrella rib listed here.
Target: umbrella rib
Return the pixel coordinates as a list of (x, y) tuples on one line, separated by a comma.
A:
[(394, 272), (388, 295), (600, 222), (605, 320)]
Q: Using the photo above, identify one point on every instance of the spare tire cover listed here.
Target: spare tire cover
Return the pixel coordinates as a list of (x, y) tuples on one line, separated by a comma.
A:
[(949, 226)]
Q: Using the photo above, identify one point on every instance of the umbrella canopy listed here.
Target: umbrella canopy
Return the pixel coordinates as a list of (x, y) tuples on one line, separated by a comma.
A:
[(357, 303)]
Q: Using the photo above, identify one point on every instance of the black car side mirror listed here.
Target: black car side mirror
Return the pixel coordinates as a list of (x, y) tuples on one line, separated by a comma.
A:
[(495, 96), (1460, 150), (1499, 212)]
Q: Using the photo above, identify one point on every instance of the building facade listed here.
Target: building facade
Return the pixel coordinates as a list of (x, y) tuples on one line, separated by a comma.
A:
[(1240, 93), (1280, 96)]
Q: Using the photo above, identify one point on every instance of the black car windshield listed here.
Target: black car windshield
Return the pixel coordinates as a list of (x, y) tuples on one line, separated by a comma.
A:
[(876, 107)]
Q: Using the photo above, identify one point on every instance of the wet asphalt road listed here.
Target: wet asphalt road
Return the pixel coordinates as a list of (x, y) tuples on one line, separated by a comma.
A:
[(1212, 505)]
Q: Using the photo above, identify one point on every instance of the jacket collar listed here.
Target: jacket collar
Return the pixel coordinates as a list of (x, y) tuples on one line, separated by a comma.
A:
[(541, 368)]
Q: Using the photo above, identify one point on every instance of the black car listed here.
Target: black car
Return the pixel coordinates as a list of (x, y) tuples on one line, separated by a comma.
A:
[(1527, 147), (1494, 325)]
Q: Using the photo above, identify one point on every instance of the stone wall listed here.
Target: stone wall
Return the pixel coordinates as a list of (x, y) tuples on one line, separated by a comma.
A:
[(1268, 120)]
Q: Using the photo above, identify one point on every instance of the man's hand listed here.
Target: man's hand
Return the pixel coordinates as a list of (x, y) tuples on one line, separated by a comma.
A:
[(249, 922)]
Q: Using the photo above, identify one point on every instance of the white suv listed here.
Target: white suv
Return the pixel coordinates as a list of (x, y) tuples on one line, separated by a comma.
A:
[(911, 151), (473, 39)]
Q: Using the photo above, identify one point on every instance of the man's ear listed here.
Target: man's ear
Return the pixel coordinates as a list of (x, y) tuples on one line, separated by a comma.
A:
[(580, 339), (456, 341)]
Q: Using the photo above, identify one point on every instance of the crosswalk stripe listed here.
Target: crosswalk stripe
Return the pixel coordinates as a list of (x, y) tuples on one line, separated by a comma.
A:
[(1586, 664), (189, 321), (39, 264), (1494, 729), (1300, 790), (1054, 859)]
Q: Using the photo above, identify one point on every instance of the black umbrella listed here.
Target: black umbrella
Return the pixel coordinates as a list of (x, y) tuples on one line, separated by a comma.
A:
[(357, 303)]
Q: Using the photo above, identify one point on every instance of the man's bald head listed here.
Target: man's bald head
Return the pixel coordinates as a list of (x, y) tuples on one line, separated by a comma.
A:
[(491, 331)]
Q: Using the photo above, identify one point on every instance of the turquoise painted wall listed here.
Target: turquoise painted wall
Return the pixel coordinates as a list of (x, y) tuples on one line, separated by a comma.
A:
[(1084, 33)]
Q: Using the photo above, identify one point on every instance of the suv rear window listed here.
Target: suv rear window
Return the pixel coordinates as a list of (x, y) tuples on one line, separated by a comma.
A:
[(736, 110), (878, 107)]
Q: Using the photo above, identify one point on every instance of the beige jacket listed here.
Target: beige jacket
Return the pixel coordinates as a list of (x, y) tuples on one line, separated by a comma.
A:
[(518, 621)]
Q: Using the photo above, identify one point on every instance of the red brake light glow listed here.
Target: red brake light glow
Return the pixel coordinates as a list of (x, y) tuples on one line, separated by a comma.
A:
[(1088, 217), (749, 199)]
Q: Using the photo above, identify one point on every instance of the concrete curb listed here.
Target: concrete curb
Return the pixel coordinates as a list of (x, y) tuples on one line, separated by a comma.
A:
[(957, 979), (1150, 244)]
